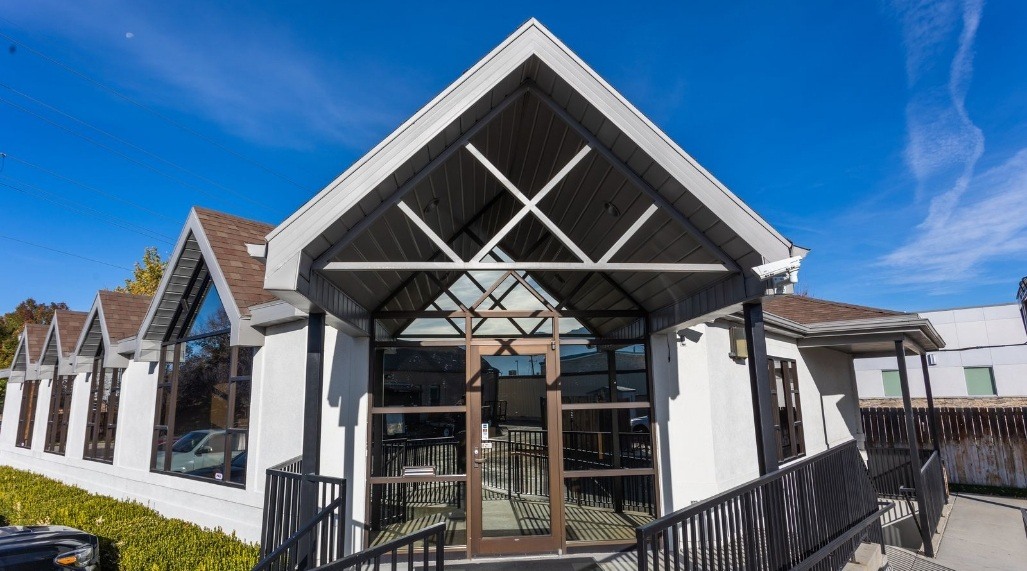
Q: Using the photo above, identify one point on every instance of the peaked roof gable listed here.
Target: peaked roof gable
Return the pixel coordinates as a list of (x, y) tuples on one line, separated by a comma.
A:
[(218, 240), (63, 333), (570, 82), (30, 342), (114, 316)]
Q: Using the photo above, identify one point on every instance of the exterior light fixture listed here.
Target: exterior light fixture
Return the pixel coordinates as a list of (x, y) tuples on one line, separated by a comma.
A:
[(932, 359), (611, 209), (739, 349), (431, 206)]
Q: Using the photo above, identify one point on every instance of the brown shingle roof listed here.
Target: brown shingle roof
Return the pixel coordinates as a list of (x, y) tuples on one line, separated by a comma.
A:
[(36, 336), (69, 327), (806, 310), (123, 313), (228, 236)]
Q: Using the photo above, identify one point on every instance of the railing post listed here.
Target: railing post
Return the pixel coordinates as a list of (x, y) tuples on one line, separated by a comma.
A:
[(932, 414), (926, 534)]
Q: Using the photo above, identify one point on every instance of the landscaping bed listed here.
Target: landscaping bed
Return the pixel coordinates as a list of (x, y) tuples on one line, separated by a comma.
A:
[(132, 536)]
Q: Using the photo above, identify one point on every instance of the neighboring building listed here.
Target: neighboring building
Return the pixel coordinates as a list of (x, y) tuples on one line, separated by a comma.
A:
[(527, 313), (985, 356)]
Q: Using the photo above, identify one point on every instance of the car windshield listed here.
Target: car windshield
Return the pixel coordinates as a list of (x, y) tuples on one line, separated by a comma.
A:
[(188, 442)]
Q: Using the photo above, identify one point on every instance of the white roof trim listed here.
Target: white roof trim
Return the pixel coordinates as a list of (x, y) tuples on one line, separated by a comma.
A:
[(531, 39)]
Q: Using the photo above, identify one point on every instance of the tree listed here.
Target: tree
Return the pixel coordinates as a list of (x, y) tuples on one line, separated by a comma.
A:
[(11, 324), (147, 274)]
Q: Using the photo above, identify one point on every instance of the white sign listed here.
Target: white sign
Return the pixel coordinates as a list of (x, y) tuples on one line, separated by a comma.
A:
[(484, 431)]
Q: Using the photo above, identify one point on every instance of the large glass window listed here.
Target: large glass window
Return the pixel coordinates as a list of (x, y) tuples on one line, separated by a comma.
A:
[(418, 441), (57, 421), (784, 378), (102, 419), (203, 395), (27, 414), (606, 419)]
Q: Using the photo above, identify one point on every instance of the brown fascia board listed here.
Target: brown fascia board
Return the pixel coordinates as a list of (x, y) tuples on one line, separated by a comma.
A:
[(909, 324)]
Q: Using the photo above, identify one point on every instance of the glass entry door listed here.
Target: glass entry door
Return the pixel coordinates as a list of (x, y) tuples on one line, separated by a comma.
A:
[(515, 485)]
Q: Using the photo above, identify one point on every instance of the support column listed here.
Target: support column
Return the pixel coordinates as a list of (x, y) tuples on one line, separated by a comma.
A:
[(759, 379), (932, 414), (914, 447), (313, 390)]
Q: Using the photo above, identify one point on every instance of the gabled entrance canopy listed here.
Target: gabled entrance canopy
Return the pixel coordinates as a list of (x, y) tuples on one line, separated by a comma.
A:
[(529, 162)]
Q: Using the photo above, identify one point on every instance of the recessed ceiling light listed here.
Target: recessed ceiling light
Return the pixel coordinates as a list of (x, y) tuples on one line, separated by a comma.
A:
[(431, 206), (611, 209)]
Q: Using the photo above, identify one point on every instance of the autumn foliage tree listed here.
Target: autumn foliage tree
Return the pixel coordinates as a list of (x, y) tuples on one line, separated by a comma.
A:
[(147, 274), (11, 324)]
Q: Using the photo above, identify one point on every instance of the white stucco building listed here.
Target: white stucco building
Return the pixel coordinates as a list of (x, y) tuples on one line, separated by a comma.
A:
[(985, 356), (406, 330)]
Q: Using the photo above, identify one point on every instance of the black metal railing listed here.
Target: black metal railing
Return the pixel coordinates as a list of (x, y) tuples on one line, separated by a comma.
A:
[(812, 514), (316, 543), (403, 550), (287, 542), (931, 501)]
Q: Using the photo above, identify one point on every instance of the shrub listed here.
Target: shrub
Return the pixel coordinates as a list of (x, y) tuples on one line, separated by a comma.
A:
[(132, 536)]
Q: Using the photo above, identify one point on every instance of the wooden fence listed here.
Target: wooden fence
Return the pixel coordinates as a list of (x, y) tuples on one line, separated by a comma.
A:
[(979, 445)]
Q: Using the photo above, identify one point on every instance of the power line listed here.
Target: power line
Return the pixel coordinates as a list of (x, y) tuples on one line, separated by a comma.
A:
[(86, 210), (150, 110), (129, 144), (107, 148), (90, 188), (34, 245)]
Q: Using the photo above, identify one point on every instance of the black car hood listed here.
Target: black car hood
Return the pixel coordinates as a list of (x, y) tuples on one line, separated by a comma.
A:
[(18, 537)]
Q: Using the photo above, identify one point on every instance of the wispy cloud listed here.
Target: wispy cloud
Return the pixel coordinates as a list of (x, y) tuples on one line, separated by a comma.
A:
[(253, 78), (972, 218)]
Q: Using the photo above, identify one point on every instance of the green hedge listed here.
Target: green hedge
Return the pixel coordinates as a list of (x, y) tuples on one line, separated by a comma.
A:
[(132, 536)]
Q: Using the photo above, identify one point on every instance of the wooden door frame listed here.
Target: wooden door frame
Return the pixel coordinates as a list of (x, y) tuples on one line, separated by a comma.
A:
[(556, 540)]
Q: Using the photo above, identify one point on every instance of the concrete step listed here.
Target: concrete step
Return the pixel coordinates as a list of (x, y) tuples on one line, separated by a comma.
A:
[(905, 560)]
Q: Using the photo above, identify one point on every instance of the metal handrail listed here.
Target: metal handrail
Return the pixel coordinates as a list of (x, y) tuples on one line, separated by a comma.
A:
[(698, 507), (294, 539), (438, 531), (812, 510)]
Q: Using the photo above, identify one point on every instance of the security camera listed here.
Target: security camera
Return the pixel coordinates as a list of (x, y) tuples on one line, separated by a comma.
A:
[(780, 271)]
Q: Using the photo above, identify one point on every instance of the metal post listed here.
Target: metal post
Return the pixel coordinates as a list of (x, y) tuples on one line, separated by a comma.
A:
[(313, 389), (914, 448), (759, 379), (932, 414)]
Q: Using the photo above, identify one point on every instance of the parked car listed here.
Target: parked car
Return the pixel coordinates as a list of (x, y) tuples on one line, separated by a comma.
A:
[(640, 424), (215, 472), (36, 547), (198, 449)]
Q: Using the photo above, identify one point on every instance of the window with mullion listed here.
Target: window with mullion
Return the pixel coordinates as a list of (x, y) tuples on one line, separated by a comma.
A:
[(57, 421), (201, 416), (784, 392), (27, 414), (102, 420)]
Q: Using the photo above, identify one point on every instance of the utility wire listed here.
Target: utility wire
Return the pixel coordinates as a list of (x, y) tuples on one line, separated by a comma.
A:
[(150, 110), (86, 210), (131, 145), (90, 188), (34, 245), (109, 149)]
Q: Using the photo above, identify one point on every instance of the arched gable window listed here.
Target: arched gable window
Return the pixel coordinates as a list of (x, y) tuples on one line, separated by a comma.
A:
[(203, 393)]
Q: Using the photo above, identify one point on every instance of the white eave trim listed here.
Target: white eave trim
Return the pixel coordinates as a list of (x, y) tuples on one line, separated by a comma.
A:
[(274, 313), (531, 39)]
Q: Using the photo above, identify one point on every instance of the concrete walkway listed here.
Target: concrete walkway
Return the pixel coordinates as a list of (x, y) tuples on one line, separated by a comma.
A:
[(984, 533)]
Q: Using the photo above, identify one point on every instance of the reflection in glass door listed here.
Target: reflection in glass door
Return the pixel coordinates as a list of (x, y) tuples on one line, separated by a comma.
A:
[(515, 467)]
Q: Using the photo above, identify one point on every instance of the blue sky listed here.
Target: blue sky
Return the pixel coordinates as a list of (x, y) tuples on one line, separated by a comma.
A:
[(891, 138)]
